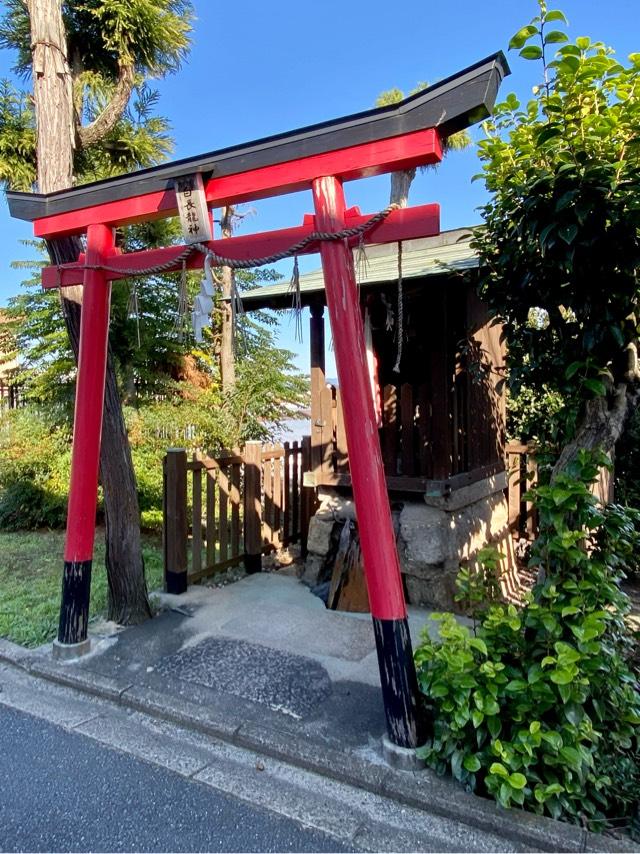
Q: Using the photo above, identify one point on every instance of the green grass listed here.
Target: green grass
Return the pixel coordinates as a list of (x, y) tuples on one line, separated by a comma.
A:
[(31, 578)]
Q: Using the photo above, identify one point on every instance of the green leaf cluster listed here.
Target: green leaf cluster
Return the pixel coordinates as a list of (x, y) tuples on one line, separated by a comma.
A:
[(106, 41), (152, 36), (540, 708), (35, 459), (562, 227)]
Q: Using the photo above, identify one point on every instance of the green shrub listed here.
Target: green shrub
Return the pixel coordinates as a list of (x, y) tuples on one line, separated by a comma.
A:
[(35, 458), (540, 707), (25, 506)]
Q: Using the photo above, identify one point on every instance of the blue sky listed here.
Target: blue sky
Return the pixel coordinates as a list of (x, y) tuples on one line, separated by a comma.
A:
[(260, 68)]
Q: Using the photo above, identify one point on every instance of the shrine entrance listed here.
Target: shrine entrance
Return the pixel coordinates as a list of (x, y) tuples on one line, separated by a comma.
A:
[(321, 159)]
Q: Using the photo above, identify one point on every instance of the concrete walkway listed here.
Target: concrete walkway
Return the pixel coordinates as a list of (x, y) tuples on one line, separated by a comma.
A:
[(262, 665)]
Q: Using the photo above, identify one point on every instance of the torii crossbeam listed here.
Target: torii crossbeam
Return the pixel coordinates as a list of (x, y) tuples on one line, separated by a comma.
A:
[(318, 158)]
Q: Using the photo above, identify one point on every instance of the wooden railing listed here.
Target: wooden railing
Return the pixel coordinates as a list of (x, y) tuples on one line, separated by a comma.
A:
[(223, 511), (416, 436), (522, 474), (425, 442)]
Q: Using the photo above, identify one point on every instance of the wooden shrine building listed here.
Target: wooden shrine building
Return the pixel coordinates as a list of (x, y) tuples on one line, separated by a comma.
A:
[(441, 416)]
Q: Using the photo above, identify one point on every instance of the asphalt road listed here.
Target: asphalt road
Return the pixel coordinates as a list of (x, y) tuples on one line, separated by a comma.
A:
[(61, 791)]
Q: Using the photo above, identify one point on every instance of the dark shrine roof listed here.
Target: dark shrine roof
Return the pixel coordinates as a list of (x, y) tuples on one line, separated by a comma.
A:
[(450, 105)]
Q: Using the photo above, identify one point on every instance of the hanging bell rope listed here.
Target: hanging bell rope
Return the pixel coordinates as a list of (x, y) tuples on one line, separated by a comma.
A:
[(237, 313), (183, 301), (133, 308), (362, 262), (296, 299)]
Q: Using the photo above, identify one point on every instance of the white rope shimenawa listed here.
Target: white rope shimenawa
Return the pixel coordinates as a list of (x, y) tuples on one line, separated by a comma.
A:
[(238, 264)]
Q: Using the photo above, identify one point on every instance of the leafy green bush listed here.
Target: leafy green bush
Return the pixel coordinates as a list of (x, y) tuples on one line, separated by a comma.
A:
[(26, 506), (35, 457), (540, 707), (532, 413)]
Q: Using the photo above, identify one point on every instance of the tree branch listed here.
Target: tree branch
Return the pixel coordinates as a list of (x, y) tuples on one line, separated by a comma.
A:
[(108, 118), (601, 426)]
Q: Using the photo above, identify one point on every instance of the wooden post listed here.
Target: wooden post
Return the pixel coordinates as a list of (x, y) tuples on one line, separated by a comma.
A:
[(532, 480), (307, 499), (253, 507), (85, 457), (210, 532), (286, 502), (196, 524), (328, 420), (390, 431), (514, 486), (377, 540), (175, 521), (318, 381), (407, 413), (295, 493), (440, 386)]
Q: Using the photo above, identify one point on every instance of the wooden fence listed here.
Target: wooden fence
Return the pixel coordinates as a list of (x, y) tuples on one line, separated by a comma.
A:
[(522, 473), (11, 396), (231, 509)]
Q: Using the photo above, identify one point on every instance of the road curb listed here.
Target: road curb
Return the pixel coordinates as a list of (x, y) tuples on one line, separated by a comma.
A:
[(419, 790)]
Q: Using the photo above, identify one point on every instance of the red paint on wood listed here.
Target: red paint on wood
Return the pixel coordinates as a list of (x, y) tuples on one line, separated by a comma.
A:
[(419, 148), (359, 161), (144, 208), (405, 224), (87, 426), (377, 540)]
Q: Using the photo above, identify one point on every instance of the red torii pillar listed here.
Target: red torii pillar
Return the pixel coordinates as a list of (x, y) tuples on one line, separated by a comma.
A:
[(85, 458), (377, 540)]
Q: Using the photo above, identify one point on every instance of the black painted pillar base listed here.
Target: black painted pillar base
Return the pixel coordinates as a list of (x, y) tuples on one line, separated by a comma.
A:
[(252, 564), (74, 608), (405, 724), (175, 582)]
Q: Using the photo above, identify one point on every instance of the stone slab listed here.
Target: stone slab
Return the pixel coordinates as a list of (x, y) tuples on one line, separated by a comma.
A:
[(282, 681), (318, 632), (149, 739), (14, 654)]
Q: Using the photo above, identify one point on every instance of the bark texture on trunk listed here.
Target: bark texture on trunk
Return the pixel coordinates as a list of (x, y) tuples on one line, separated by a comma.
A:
[(55, 121), (227, 357), (110, 116), (53, 96), (400, 186), (601, 426), (128, 597)]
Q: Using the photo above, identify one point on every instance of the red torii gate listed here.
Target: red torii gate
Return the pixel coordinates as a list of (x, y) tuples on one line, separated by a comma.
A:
[(320, 158)]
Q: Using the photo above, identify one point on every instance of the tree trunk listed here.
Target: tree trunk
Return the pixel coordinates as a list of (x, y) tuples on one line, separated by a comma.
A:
[(227, 357), (600, 427), (53, 97), (400, 185)]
